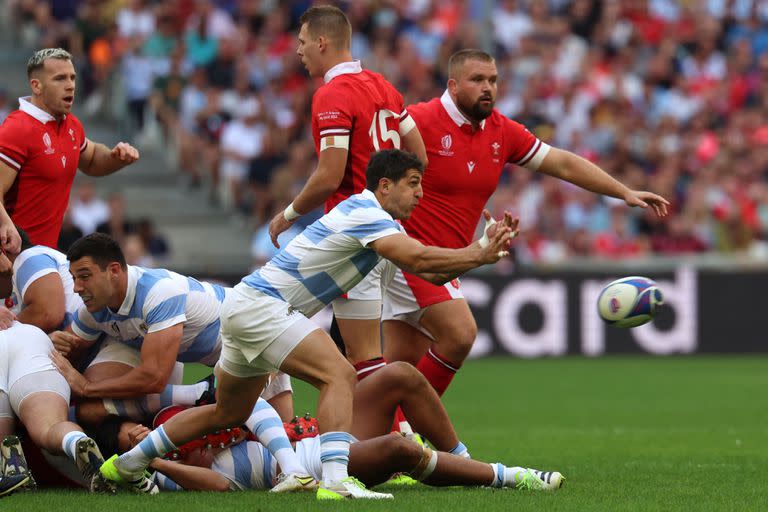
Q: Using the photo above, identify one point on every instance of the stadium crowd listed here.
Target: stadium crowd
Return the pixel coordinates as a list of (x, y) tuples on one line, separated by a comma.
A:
[(665, 95)]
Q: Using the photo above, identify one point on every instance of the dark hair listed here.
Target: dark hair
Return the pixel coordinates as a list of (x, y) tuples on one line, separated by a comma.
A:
[(392, 164), (328, 21), (102, 249), (106, 436), (459, 58), (26, 243)]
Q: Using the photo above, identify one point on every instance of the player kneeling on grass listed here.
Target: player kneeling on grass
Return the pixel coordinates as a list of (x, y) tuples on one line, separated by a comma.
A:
[(265, 322), (32, 390)]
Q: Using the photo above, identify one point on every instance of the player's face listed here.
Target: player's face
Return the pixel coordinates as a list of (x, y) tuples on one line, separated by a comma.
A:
[(475, 89), (55, 86), (91, 283), (405, 195), (309, 51)]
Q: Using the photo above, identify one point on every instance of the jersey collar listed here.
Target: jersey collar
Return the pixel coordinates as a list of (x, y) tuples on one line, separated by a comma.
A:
[(454, 112), (130, 293), (344, 68), (27, 107), (370, 195)]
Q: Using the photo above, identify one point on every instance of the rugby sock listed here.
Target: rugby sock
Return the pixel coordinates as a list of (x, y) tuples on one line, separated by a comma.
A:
[(266, 424), (366, 368), (149, 405), (69, 443), (438, 370), (156, 444), (334, 455), (507, 477), (460, 450), (499, 470)]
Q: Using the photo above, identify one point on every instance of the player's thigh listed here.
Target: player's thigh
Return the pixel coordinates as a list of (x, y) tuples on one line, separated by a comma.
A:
[(403, 341), (450, 321), (317, 361), (376, 398), (40, 411)]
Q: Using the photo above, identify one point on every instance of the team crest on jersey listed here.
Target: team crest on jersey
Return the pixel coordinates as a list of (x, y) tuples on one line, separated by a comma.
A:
[(495, 146), (48, 144), (446, 143)]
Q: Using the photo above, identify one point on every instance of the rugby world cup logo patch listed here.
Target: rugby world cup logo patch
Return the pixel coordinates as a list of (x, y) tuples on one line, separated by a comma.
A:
[(614, 305), (446, 142), (48, 144)]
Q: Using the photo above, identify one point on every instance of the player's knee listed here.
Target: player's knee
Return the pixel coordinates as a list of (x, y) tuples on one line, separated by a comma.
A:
[(228, 418), (405, 374), (400, 449)]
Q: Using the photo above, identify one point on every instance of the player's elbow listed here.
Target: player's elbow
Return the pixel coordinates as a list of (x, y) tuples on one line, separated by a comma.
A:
[(153, 382)]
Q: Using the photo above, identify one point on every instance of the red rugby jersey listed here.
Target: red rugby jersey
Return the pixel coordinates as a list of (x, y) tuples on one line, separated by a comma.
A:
[(45, 153), (361, 109), (464, 169)]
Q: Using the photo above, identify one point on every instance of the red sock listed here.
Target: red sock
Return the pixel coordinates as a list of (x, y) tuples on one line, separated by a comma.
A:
[(365, 368), (438, 370), (399, 418)]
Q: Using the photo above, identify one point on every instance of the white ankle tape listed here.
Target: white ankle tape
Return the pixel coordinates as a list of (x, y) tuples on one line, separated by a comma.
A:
[(426, 465)]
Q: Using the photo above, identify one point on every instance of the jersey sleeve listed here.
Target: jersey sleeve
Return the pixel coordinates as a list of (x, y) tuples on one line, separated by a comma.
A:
[(332, 114), (369, 224), (164, 306), (524, 148), (80, 131), (84, 325), (30, 268), (13, 148)]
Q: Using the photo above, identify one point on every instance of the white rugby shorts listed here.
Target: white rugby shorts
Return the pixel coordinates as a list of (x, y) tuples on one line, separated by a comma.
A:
[(407, 296)]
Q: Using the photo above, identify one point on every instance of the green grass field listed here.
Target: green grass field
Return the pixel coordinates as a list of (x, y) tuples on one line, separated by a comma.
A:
[(629, 433)]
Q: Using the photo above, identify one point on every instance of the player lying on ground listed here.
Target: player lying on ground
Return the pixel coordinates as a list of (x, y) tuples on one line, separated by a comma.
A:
[(32, 390), (373, 459), (265, 324)]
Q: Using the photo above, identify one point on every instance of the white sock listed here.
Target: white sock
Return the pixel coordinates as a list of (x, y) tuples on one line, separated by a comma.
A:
[(513, 476), (70, 441), (156, 444), (147, 406), (334, 455), (460, 450), (267, 426)]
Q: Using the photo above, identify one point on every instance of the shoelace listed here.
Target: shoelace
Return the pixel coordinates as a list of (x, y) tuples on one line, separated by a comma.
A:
[(529, 481)]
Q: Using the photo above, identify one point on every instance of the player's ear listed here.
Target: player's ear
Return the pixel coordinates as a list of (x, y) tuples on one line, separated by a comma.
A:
[(322, 43), (452, 85), (34, 84)]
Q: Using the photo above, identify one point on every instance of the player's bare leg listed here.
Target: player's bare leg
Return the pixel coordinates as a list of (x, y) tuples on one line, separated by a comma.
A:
[(400, 384), (373, 461), (403, 342), (452, 325), (362, 338)]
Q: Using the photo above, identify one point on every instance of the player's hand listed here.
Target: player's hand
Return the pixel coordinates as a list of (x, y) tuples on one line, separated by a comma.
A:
[(74, 378), (7, 317), (10, 241), (136, 434), (277, 226), (645, 199), (508, 220), (125, 152), (498, 244), (65, 342), (6, 267)]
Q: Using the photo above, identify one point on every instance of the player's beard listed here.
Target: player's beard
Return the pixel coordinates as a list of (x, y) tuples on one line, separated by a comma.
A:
[(477, 111)]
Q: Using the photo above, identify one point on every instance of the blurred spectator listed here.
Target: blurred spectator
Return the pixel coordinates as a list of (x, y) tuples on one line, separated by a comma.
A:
[(5, 105), (116, 226), (154, 243), (136, 252), (87, 210), (69, 233)]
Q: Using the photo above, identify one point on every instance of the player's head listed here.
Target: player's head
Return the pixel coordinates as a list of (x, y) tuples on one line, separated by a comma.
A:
[(52, 80), (395, 177), (472, 79), (324, 34), (97, 265)]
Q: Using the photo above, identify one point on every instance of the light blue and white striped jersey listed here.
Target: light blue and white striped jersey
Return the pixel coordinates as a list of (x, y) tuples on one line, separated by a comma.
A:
[(329, 257), (155, 300), (38, 261), (247, 465)]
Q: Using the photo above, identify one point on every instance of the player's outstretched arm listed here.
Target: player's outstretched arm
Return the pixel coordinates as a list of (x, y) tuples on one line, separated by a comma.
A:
[(98, 160), (319, 187), (583, 173), (439, 265)]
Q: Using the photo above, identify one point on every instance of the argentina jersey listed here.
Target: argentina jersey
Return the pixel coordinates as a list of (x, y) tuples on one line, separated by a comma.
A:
[(155, 300), (38, 261), (247, 465), (329, 257)]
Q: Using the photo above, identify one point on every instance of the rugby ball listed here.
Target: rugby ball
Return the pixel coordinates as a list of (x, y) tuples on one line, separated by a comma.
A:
[(629, 302)]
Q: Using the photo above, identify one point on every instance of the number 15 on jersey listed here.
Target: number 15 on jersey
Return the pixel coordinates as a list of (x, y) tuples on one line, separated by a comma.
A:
[(380, 132)]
